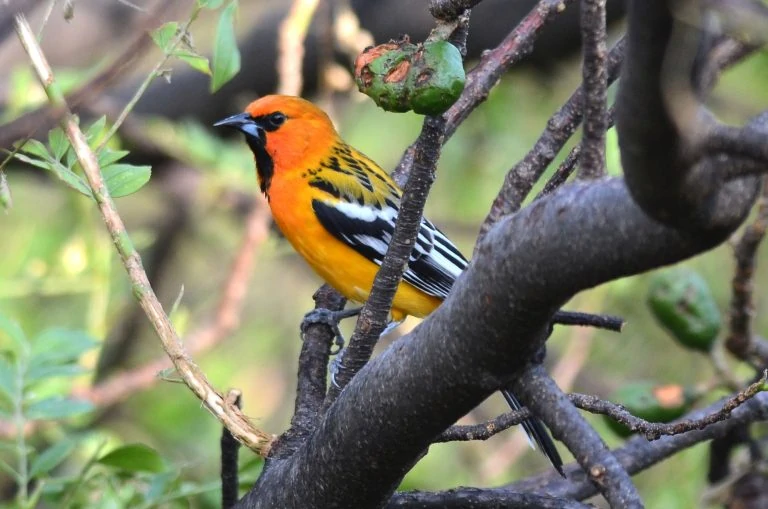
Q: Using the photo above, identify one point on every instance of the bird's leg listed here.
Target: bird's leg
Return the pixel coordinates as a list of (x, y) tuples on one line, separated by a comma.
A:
[(331, 319), (337, 362)]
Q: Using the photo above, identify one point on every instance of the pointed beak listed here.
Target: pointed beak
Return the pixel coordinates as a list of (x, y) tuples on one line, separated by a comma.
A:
[(235, 121), (244, 123)]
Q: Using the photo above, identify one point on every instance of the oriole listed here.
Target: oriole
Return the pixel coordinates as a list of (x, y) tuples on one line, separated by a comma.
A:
[(338, 209)]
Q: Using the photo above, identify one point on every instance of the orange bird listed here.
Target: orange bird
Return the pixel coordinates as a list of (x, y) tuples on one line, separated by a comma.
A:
[(338, 209)]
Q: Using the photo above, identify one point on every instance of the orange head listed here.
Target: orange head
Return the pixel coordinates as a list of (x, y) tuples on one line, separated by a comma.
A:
[(285, 133)]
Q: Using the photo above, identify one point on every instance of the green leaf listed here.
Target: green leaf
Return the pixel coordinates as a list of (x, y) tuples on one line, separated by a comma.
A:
[(35, 148), (57, 407), (51, 457), (124, 179), (134, 458), (108, 156), (226, 56), (8, 387), (40, 163), (64, 174), (197, 62), (58, 143), (95, 130), (210, 4), (36, 373), (10, 330), (6, 199), (164, 35), (57, 346)]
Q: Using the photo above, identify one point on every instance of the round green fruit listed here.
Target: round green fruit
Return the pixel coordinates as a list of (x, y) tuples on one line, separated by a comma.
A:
[(681, 301)]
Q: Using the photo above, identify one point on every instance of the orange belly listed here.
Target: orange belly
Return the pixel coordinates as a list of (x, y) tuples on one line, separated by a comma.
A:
[(349, 272)]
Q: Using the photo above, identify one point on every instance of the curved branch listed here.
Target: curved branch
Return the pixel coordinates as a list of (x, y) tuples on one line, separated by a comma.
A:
[(545, 399)]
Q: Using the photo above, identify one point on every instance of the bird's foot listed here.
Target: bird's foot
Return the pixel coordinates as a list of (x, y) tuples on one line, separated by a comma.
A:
[(331, 319)]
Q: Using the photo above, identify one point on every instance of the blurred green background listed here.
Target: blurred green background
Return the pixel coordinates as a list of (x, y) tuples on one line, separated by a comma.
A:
[(58, 268)]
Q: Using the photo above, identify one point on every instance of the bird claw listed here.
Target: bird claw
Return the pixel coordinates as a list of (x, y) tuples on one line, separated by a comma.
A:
[(331, 319), (335, 367)]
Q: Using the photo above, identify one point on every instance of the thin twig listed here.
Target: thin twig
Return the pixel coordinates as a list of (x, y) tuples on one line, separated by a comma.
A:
[(592, 160), (561, 174), (596, 405), (193, 377), (739, 339), (655, 430), (607, 322), (521, 178)]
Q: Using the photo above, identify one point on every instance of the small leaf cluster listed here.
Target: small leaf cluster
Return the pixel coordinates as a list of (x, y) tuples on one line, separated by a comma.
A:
[(57, 465), (59, 158)]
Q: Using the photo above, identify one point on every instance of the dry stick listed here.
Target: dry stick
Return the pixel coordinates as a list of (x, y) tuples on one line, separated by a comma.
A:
[(592, 159), (225, 321), (740, 336), (521, 178), (228, 414), (561, 174), (486, 74)]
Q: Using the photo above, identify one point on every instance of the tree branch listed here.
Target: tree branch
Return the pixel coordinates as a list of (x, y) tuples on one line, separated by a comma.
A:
[(545, 399), (592, 159), (479, 499), (739, 340)]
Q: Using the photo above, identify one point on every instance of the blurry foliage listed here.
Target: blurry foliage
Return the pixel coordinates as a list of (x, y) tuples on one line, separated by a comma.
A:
[(59, 277)]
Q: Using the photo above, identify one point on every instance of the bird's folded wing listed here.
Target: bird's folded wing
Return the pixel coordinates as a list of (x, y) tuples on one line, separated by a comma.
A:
[(435, 262)]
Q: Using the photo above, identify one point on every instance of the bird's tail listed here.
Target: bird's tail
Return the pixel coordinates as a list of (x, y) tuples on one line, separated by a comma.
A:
[(537, 434)]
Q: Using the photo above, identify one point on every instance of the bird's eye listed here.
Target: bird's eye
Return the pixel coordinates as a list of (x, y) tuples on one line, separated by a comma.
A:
[(277, 119)]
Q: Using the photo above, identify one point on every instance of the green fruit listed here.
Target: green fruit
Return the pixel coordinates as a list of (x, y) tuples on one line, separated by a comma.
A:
[(438, 79), (381, 74), (682, 303), (653, 403), (400, 76)]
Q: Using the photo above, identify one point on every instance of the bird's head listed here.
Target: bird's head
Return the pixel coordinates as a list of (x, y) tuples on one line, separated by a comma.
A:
[(285, 134)]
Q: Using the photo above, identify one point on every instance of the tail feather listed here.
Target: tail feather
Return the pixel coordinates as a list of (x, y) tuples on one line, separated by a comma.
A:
[(537, 433)]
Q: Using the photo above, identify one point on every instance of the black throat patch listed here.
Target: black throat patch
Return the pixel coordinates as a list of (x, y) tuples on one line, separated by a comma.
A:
[(265, 166)]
